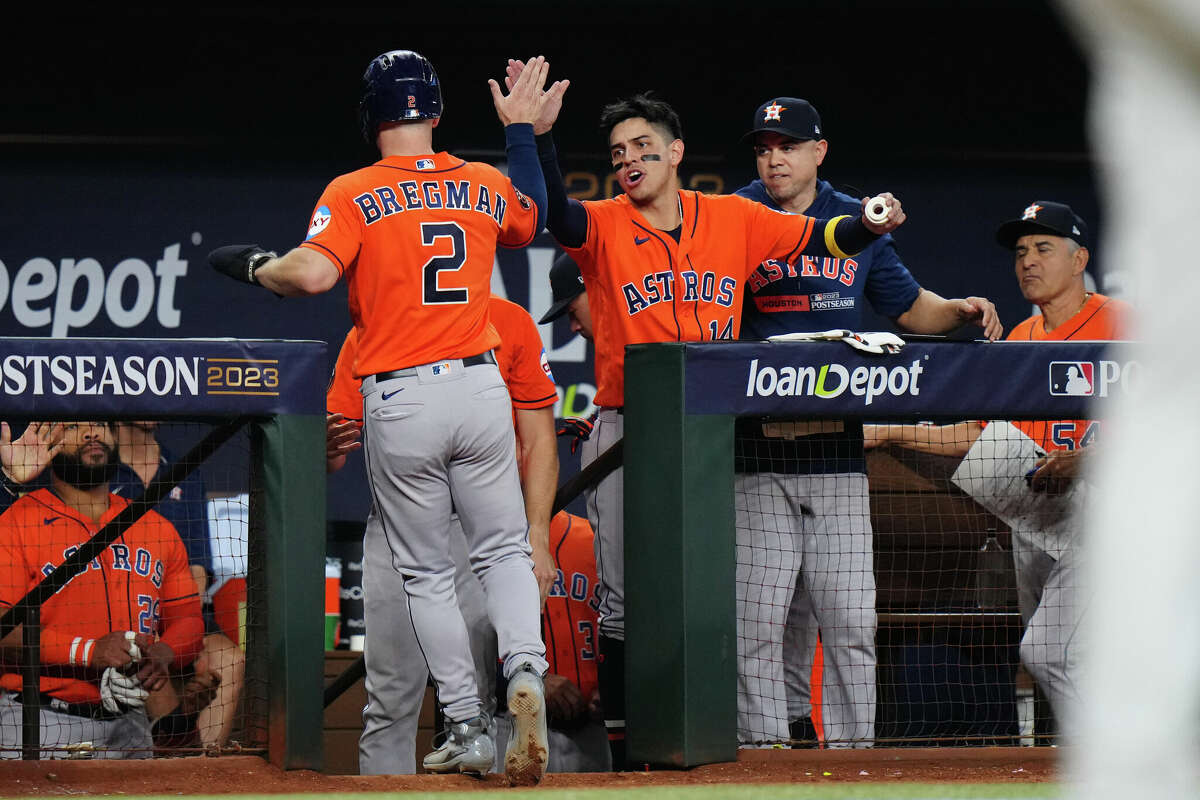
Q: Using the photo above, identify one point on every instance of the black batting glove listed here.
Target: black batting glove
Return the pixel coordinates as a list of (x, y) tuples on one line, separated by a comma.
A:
[(580, 428), (239, 261)]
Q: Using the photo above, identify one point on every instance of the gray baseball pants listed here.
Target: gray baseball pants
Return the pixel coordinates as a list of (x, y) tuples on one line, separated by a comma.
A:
[(835, 591), (396, 670), (606, 513), (436, 440), (127, 736), (1048, 595)]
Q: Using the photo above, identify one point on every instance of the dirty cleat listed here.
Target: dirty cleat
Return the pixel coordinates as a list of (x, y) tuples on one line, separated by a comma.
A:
[(528, 743), (468, 748)]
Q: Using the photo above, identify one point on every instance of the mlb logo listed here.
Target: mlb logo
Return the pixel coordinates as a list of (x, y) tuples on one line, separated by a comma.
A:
[(442, 368), (1072, 378), (320, 221), (425, 163)]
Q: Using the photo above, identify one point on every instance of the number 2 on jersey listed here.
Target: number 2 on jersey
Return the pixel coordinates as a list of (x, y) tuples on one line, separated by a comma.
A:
[(434, 294)]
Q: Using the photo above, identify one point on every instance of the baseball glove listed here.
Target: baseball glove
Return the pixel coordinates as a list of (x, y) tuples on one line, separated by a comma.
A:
[(239, 261), (580, 428)]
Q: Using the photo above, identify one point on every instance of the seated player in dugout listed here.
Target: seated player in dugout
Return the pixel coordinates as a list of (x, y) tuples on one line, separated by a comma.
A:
[(199, 704), (110, 636), (663, 264), (820, 473), (1050, 247)]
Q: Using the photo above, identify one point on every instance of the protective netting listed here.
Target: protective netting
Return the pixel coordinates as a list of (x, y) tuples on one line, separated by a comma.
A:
[(919, 592), (176, 575)]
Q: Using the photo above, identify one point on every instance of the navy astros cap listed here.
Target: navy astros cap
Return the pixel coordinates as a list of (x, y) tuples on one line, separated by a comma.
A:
[(789, 116), (1043, 216), (566, 283)]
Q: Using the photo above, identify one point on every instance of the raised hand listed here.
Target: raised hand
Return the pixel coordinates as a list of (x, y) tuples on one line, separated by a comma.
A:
[(549, 100), (24, 459)]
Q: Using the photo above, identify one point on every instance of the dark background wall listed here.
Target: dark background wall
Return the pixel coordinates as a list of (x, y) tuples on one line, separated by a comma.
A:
[(125, 133)]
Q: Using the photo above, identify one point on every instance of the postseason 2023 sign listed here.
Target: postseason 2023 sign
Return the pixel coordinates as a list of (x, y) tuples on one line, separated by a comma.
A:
[(925, 380), (147, 378)]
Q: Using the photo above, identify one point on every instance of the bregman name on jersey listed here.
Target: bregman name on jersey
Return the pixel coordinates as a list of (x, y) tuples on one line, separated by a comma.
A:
[(384, 201)]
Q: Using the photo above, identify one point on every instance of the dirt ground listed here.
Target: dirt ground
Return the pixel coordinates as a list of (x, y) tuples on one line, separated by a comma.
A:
[(250, 774)]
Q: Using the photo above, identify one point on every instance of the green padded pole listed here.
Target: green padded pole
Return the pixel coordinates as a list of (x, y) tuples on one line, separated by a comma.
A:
[(293, 513), (680, 631)]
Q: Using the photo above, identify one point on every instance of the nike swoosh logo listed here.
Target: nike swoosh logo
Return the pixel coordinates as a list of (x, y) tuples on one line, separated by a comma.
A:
[(389, 395), (640, 242), (48, 520)]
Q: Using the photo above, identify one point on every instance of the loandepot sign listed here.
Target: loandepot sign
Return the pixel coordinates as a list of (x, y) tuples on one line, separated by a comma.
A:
[(833, 380)]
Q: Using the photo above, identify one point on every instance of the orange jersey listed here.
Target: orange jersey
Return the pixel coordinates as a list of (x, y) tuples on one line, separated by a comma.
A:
[(520, 357), (416, 238), (140, 580), (1101, 318), (569, 623), (644, 287)]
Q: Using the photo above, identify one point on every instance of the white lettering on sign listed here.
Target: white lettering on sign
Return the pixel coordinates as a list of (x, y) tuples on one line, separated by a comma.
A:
[(73, 293)]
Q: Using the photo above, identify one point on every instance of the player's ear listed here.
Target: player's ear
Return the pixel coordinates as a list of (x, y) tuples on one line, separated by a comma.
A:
[(676, 152), (1079, 260), (821, 149)]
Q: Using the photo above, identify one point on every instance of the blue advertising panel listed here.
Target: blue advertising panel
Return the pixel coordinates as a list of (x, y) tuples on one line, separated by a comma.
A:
[(151, 378), (925, 380)]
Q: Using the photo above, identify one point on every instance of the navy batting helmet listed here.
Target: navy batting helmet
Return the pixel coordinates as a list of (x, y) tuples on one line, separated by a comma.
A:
[(398, 86)]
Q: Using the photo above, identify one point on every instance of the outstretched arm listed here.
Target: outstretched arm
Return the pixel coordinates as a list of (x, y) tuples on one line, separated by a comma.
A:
[(302, 271), (524, 105), (932, 313), (942, 440), (565, 217)]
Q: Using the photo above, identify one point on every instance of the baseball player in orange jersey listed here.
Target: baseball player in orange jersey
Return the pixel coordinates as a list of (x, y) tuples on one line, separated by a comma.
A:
[(415, 237), (396, 673), (1050, 243), (121, 623), (664, 264)]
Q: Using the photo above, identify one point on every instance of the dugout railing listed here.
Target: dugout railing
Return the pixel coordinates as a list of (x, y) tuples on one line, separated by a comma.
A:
[(275, 389), (682, 400)]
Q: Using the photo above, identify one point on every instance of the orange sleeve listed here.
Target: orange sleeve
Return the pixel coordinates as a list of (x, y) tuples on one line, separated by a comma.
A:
[(183, 630), (335, 229), (13, 579), (519, 225), (181, 624), (775, 235), (529, 379), (343, 396)]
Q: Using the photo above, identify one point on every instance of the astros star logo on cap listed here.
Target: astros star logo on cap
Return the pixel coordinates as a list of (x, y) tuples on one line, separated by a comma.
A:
[(1031, 212), (772, 112)]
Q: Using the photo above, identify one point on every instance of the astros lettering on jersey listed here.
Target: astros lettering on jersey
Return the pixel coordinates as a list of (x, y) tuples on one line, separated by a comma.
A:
[(569, 623), (140, 582), (415, 305), (646, 287)]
